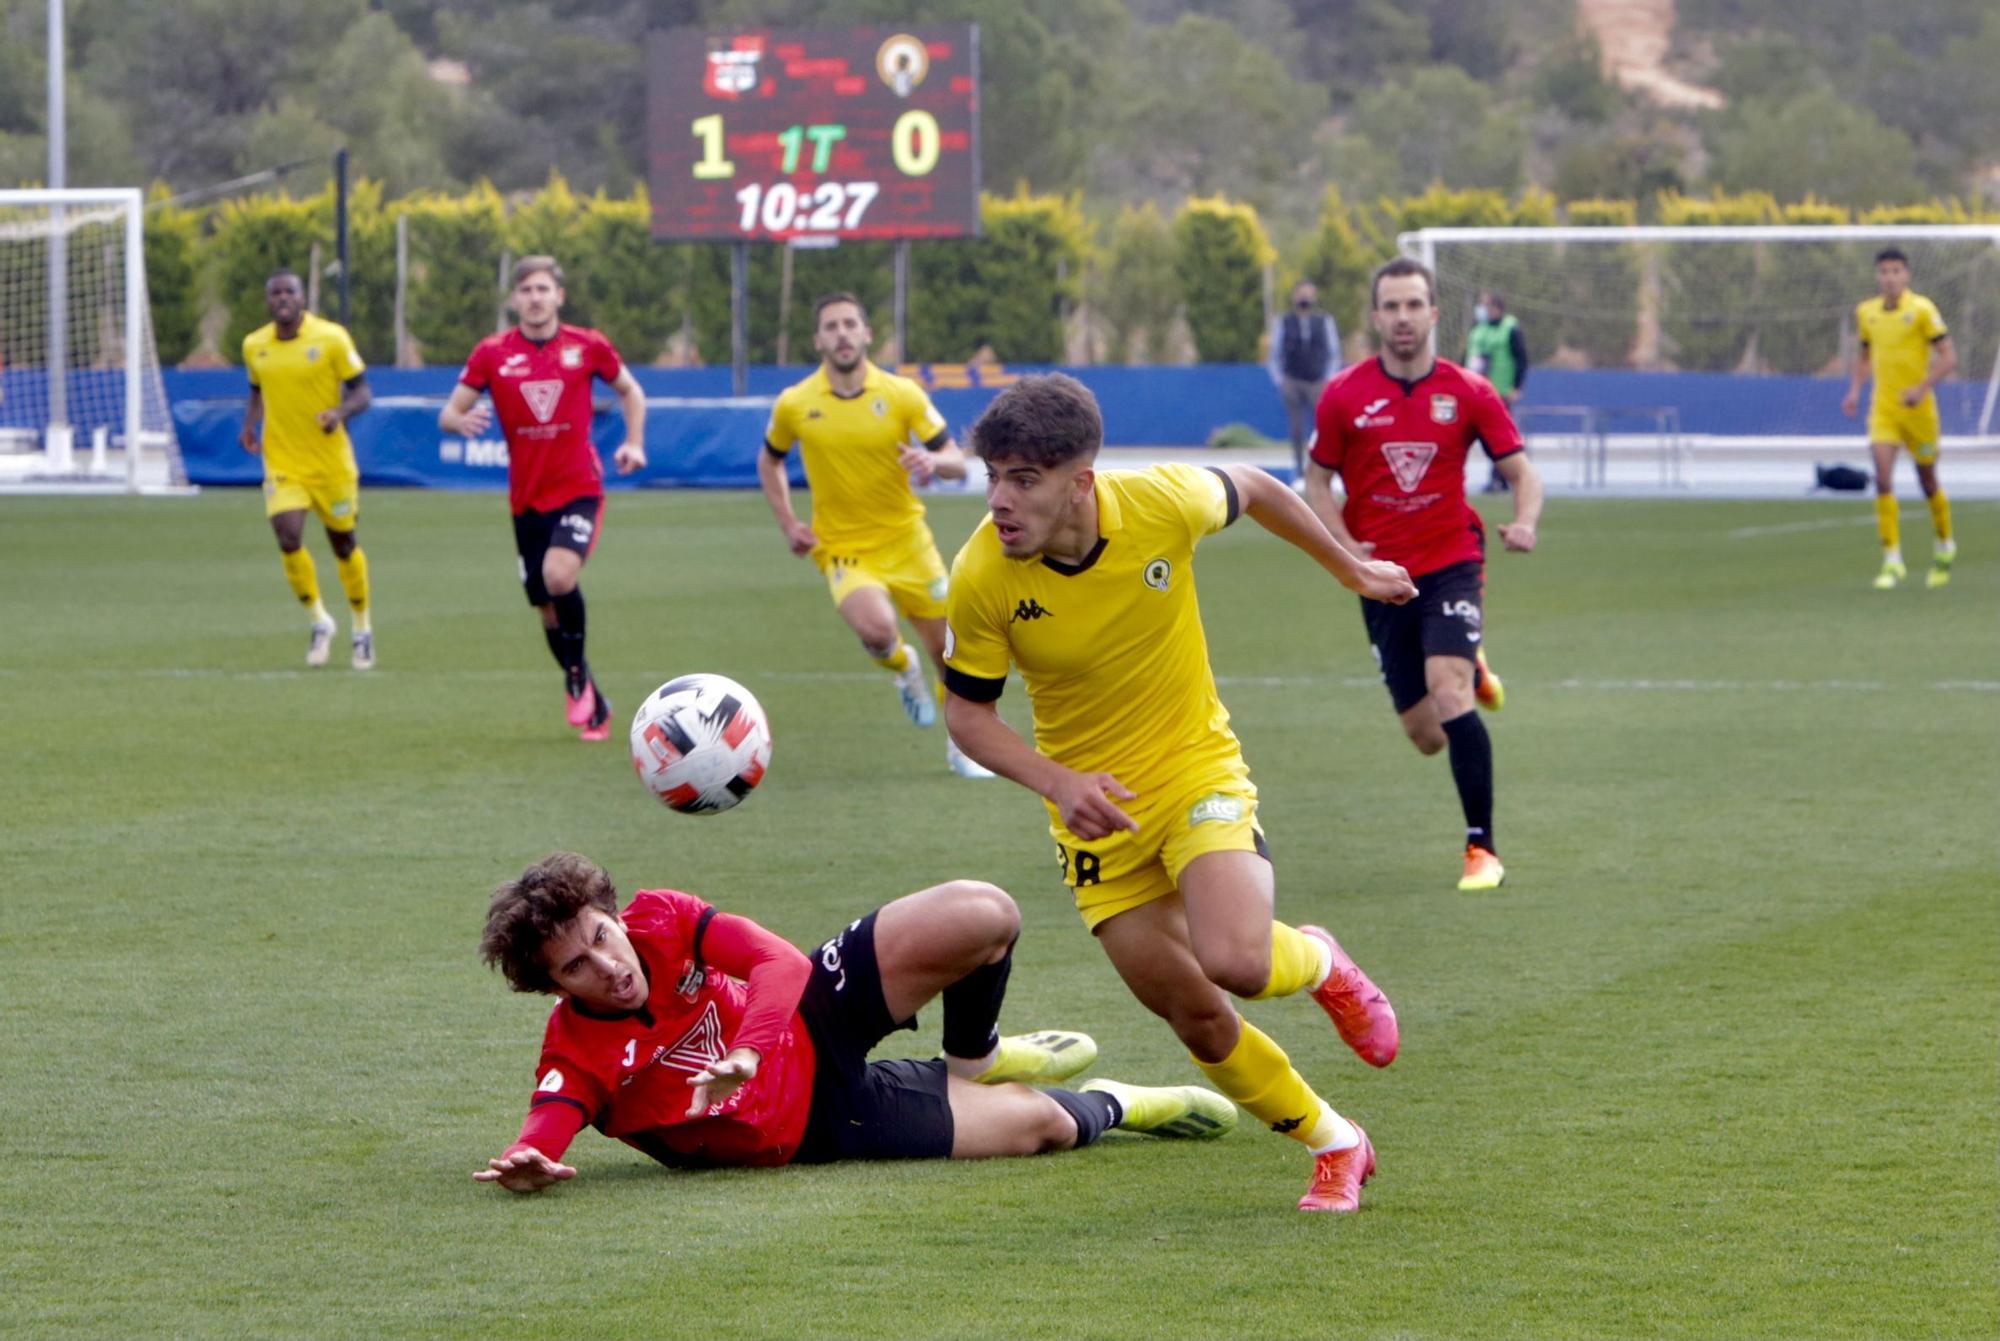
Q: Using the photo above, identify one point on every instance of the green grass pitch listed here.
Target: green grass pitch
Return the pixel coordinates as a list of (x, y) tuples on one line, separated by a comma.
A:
[(1718, 1062)]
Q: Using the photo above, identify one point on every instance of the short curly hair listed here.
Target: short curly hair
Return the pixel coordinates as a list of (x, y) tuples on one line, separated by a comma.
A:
[(526, 913), (1047, 419)]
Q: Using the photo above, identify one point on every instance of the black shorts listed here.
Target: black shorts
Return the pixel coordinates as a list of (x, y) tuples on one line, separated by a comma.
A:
[(863, 1109), (1444, 620), (573, 526)]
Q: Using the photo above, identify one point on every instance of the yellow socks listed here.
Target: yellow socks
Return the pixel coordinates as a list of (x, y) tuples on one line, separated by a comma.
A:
[(1259, 1077), (1886, 522), (898, 660), (303, 579), (1297, 962), (354, 581), (1941, 516)]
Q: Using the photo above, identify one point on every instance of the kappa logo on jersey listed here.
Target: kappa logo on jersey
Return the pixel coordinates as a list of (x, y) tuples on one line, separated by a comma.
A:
[(1158, 574), (1030, 609), (1444, 409), (542, 398), (700, 1047), (1409, 461), (572, 356)]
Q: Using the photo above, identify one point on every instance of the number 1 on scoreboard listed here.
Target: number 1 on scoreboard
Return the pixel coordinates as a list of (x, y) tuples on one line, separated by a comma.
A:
[(712, 165)]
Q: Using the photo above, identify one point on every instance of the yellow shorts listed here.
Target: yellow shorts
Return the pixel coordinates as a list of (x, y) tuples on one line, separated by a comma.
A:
[(907, 568), (1915, 428), (334, 499), (1213, 809)]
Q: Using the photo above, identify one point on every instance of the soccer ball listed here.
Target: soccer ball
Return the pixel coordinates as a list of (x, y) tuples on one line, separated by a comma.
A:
[(700, 743)]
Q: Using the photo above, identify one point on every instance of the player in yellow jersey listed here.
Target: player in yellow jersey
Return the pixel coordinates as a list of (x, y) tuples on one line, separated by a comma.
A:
[(1905, 344), (1084, 580), (868, 436), (306, 382)]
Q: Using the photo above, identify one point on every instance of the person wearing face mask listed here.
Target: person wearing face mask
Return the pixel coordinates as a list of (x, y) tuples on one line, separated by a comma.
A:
[(1305, 352), (1496, 350)]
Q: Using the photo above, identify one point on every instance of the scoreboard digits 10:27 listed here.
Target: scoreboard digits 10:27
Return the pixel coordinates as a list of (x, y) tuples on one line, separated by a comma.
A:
[(774, 136)]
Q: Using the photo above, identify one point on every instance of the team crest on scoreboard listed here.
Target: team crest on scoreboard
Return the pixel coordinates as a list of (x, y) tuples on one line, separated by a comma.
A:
[(902, 62), (1409, 461), (731, 72), (1444, 409)]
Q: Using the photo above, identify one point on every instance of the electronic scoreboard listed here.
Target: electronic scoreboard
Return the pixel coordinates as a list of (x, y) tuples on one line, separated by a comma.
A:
[(814, 137)]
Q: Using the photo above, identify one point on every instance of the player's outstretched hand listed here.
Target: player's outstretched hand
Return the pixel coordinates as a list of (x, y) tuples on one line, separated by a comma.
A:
[(1849, 404), (1384, 581), (1087, 803), (476, 420), (1913, 397), (719, 1080), (916, 463), (1516, 536), (629, 457), (801, 538), (328, 420), (526, 1170), (251, 442)]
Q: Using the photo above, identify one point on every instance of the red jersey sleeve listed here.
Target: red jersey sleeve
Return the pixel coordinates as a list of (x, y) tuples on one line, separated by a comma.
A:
[(772, 969), (604, 360), (549, 1128), (1492, 423), (478, 369), (1328, 444)]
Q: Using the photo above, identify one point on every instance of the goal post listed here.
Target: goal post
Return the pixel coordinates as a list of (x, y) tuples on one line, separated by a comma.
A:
[(1750, 328), (83, 407)]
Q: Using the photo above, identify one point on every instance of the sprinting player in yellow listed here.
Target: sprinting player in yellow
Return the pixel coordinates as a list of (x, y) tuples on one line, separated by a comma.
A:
[(1904, 342), (1084, 580), (869, 436), (306, 382)]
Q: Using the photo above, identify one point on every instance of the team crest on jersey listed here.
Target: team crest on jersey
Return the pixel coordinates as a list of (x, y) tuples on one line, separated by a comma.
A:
[(572, 356), (1158, 574), (700, 1047), (312, 353), (1409, 461), (542, 398), (692, 977), (1444, 409), (881, 408)]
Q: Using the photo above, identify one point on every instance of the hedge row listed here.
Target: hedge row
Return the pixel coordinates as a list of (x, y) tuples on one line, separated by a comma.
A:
[(1150, 285)]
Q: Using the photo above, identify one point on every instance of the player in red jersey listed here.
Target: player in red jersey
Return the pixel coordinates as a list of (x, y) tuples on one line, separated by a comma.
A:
[(1397, 430), (539, 375), (699, 1038)]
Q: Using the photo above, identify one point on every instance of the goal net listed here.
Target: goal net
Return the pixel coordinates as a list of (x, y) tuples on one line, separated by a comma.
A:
[(82, 405), (1659, 352)]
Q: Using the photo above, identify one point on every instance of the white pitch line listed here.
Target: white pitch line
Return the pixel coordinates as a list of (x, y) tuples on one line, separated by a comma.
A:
[(1792, 528), (1571, 684)]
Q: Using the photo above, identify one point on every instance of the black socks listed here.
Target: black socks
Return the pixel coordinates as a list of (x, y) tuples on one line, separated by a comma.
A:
[(1472, 769)]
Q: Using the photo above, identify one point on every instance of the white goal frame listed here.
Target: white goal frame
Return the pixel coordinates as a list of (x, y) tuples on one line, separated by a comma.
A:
[(59, 445), (1422, 245)]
